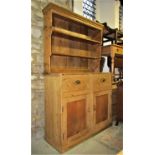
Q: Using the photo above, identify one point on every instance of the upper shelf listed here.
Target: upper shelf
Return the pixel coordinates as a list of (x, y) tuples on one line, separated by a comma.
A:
[(74, 34), (71, 42), (71, 15)]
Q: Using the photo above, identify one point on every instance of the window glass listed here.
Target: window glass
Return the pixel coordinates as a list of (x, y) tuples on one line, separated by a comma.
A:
[(89, 8)]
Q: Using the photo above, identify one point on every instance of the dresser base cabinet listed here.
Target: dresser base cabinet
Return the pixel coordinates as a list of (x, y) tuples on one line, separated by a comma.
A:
[(75, 108)]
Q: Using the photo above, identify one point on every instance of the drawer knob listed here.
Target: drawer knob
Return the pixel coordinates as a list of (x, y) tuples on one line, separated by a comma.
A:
[(77, 82), (103, 80)]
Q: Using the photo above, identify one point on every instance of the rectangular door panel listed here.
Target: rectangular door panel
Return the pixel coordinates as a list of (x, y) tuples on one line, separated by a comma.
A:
[(76, 117), (101, 108)]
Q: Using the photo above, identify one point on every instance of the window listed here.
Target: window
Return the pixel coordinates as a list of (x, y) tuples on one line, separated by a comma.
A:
[(121, 17), (89, 9)]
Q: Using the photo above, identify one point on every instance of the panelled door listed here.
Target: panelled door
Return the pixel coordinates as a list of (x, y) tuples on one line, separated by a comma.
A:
[(102, 109), (75, 117)]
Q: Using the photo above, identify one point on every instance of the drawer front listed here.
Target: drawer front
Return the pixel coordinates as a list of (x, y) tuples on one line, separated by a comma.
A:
[(118, 50), (75, 83), (102, 82)]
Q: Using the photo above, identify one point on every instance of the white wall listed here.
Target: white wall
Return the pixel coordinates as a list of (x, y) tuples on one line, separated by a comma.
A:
[(108, 11), (78, 7), (117, 5)]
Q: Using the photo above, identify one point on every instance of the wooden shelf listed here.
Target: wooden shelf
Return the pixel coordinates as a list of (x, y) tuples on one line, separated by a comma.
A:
[(71, 42), (116, 74), (64, 69), (74, 34), (58, 50)]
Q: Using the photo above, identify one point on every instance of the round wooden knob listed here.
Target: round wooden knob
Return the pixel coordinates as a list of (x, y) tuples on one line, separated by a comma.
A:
[(77, 82), (103, 80)]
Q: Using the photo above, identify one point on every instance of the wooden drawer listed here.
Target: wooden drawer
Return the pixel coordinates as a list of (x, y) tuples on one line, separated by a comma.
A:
[(118, 50), (75, 83), (112, 49), (102, 82)]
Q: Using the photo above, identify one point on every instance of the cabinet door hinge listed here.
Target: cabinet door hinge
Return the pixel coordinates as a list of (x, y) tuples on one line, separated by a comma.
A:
[(94, 107), (111, 114), (111, 95), (62, 109), (63, 136)]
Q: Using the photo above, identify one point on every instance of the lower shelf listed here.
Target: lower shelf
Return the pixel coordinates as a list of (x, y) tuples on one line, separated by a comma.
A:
[(62, 63), (62, 69), (58, 50)]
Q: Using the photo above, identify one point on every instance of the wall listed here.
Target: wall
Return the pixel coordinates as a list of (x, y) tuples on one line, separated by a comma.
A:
[(107, 11), (78, 7), (37, 68)]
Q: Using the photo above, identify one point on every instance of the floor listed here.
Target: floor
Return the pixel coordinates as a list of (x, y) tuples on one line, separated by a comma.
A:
[(107, 142)]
